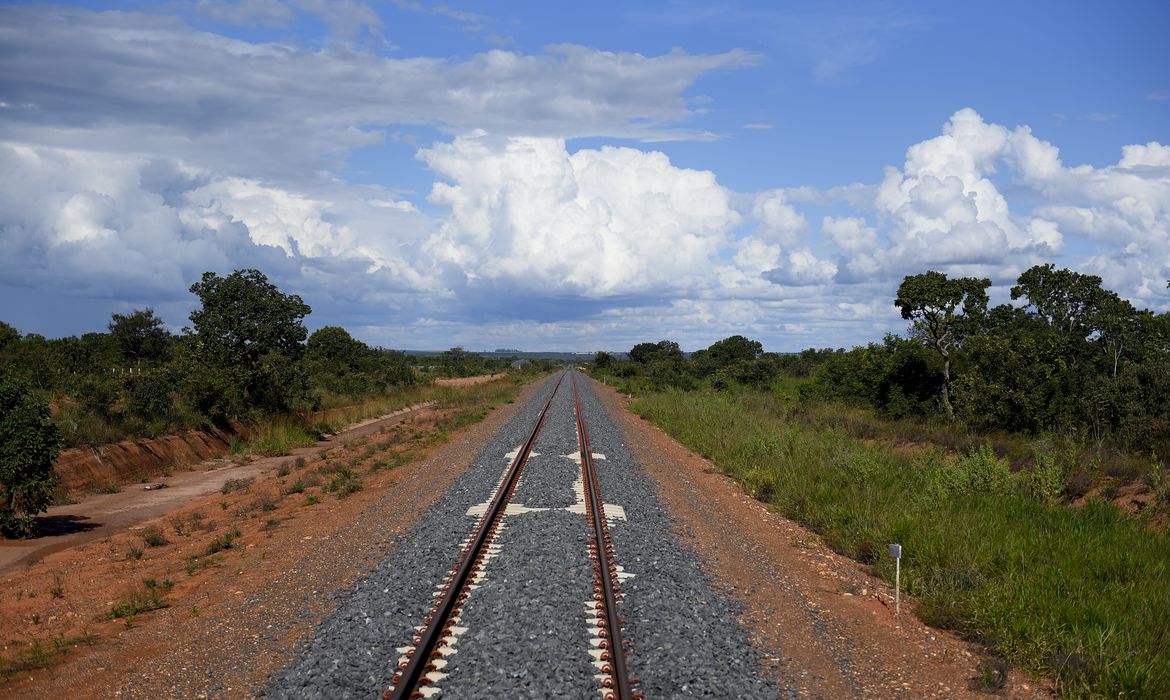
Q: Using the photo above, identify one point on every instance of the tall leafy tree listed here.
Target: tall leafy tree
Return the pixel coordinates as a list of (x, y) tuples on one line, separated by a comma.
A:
[(251, 329), (734, 349), (140, 335), (9, 336), (334, 348), (944, 312), (29, 443), (663, 350), (1066, 300)]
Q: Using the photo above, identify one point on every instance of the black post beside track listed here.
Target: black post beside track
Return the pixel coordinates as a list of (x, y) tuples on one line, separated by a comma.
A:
[(606, 573), (407, 680)]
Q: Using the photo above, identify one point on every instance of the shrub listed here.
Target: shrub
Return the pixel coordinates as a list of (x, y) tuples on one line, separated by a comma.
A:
[(224, 541), (153, 537), (1046, 482), (29, 444), (981, 472), (143, 600), (235, 485)]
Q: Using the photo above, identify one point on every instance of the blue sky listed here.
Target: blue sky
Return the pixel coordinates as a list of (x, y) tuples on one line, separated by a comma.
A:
[(576, 176)]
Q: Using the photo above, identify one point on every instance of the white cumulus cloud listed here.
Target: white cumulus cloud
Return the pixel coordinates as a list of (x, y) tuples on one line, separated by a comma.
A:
[(802, 268), (527, 214), (780, 222)]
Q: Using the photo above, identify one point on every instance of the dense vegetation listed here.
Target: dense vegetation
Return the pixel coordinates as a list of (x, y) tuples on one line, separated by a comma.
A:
[(246, 355), (989, 442), (1073, 359), (247, 358)]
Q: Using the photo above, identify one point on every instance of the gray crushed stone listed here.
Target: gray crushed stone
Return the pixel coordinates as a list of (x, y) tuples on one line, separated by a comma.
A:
[(526, 631)]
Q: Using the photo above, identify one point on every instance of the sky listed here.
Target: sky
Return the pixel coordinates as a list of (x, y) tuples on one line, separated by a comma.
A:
[(576, 176)]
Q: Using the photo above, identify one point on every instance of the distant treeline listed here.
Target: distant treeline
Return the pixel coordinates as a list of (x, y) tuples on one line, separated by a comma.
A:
[(1072, 358), (247, 354)]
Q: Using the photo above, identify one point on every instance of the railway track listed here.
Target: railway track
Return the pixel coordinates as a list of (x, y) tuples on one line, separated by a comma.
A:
[(421, 668), (508, 586)]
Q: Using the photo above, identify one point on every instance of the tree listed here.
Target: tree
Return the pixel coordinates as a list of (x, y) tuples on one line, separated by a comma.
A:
[(140, 335), (254, 332), (725, 352), (335, 349), (457, 362), (1065, 300), (663, 350), (29, 443), (9, 336), (602, 360), (944, 312)]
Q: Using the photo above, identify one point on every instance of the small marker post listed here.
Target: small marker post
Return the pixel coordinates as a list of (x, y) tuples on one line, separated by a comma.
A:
[(896, 552)]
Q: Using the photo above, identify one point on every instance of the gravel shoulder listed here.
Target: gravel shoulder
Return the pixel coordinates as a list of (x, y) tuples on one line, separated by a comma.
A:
[(822, 624), (230, 625)]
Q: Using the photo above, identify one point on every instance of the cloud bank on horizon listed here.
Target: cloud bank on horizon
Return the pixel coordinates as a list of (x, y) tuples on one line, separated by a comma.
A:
[(138, 150)]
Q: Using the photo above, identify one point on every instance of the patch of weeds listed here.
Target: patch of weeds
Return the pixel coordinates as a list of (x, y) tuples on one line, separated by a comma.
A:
[(284, 470), (272, 523), (136, 602), (312, 499), (300, 463), (165, 585), (41, 653), (179, 525), (57, 590), (223, 505), (343, 483), (297, 486), (224, 541), (280, 436), (265, 502), (199, 521), (235, 485), (109, 487), (194, 611), (992, 675), (196, 563), (153, 537), (136, 552)]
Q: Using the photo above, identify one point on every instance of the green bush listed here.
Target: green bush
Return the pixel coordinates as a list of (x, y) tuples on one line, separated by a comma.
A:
[(981, 472), (29, 443)]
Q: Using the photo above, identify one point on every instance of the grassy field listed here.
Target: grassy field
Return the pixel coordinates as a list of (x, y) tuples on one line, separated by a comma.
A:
[(1077, 595)]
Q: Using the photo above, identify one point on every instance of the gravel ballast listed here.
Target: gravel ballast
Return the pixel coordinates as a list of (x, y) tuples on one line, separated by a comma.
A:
[(526, 632)]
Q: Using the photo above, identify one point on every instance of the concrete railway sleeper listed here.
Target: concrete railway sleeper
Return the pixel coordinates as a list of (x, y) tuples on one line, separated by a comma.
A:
[(423, 662)]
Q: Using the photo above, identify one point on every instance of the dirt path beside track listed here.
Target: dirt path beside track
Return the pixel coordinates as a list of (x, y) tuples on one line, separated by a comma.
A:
[(101, 515)]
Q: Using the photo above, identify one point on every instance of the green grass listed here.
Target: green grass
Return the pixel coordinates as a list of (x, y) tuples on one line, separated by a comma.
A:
[(41, 653), (136, 602), (1078, 595), (276, 437), (224, 541)]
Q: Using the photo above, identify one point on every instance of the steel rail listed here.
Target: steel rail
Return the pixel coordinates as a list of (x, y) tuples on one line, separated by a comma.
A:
[(606, 585), (412, 673)]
